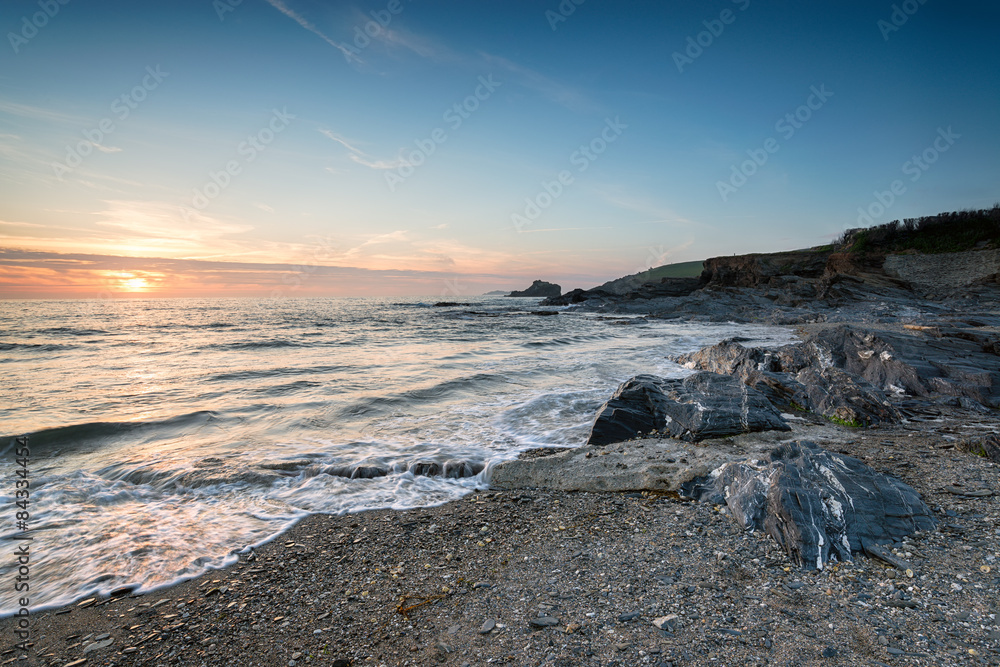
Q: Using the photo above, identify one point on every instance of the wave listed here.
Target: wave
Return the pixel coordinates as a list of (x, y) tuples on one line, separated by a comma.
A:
[(449, 469), (568, 340), (256, 344), (36, 347), (278, 372), (74, 332), (435, 392), (62, 436)]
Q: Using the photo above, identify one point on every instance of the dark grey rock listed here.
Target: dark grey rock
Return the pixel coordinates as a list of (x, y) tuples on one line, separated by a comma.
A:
[(544, 622), (817, 505), (987, 447), (841, 396), (540, 288), (703, 405)]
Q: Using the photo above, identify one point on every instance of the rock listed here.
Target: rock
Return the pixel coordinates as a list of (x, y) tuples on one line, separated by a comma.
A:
[(487, 627), (667, 623), (988, 447), (817, 505), (650, 464), (540, 288), (800, 377), (845, 398), (631, 616), (703, 405), (544, 622), (97, 645)]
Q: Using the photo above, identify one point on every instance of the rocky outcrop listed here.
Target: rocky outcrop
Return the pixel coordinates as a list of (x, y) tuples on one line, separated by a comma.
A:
[(700, 406), (987, 447), (944, 269), (803, 377), (849, 374), (651, 464), (755, 270), (540, 288), (819, 506)]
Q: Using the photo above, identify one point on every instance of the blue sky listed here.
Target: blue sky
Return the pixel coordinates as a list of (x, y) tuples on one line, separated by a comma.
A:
[(588, 142)]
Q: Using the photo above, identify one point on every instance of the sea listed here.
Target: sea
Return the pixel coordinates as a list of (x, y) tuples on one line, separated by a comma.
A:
[(166, 436)]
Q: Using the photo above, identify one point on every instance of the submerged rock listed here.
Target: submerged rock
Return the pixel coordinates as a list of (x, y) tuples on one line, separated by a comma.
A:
[(819, 506), (703, 405)]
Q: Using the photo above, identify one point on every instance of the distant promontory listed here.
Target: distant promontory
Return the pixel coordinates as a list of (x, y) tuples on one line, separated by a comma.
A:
[(540, 288)]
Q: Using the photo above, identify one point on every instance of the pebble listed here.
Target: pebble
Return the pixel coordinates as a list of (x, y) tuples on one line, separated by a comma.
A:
[(544, 622), (97, 645), (665, 622), (487, 626), (631, 616)]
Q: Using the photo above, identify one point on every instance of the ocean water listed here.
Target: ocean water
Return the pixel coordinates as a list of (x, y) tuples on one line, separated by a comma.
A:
[(168, 435)]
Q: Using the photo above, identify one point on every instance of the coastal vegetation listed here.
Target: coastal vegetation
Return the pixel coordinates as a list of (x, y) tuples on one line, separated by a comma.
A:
[(957, 231)]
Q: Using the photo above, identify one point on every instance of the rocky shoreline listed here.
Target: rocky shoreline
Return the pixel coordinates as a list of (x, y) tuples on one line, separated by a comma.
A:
[(599, 556), (545, 576)]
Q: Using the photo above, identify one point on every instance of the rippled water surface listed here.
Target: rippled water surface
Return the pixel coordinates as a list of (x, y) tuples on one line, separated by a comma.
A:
[(168, 434)]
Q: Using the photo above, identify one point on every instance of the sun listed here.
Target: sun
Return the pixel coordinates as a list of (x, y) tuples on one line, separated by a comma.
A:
[(135, 284)]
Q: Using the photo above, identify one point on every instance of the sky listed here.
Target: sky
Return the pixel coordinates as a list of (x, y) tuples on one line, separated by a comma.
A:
[(418, 147)]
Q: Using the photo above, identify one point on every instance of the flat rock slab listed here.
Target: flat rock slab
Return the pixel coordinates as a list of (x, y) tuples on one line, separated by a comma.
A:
[(652, 464), (819, 506), (701, 406)]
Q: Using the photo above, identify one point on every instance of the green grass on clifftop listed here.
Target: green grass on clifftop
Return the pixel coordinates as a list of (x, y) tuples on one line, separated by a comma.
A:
[(946, 232)]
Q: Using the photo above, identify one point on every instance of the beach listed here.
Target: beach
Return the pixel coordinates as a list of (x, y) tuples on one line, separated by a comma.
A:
[(529, 577)]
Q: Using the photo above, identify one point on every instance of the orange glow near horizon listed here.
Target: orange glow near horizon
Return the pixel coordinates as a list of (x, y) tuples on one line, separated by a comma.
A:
[(133, 281)]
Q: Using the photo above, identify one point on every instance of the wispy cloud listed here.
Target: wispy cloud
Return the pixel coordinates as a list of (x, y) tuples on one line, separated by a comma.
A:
[(290, 13), (340, 140), (164, 225), (379, 164), (423, 46), (262, 206), (547, 87), (563, 229), (362, 158), (37, 113)]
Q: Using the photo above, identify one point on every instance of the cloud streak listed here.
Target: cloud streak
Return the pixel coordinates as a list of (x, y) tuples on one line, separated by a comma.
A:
[(290, 13)]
